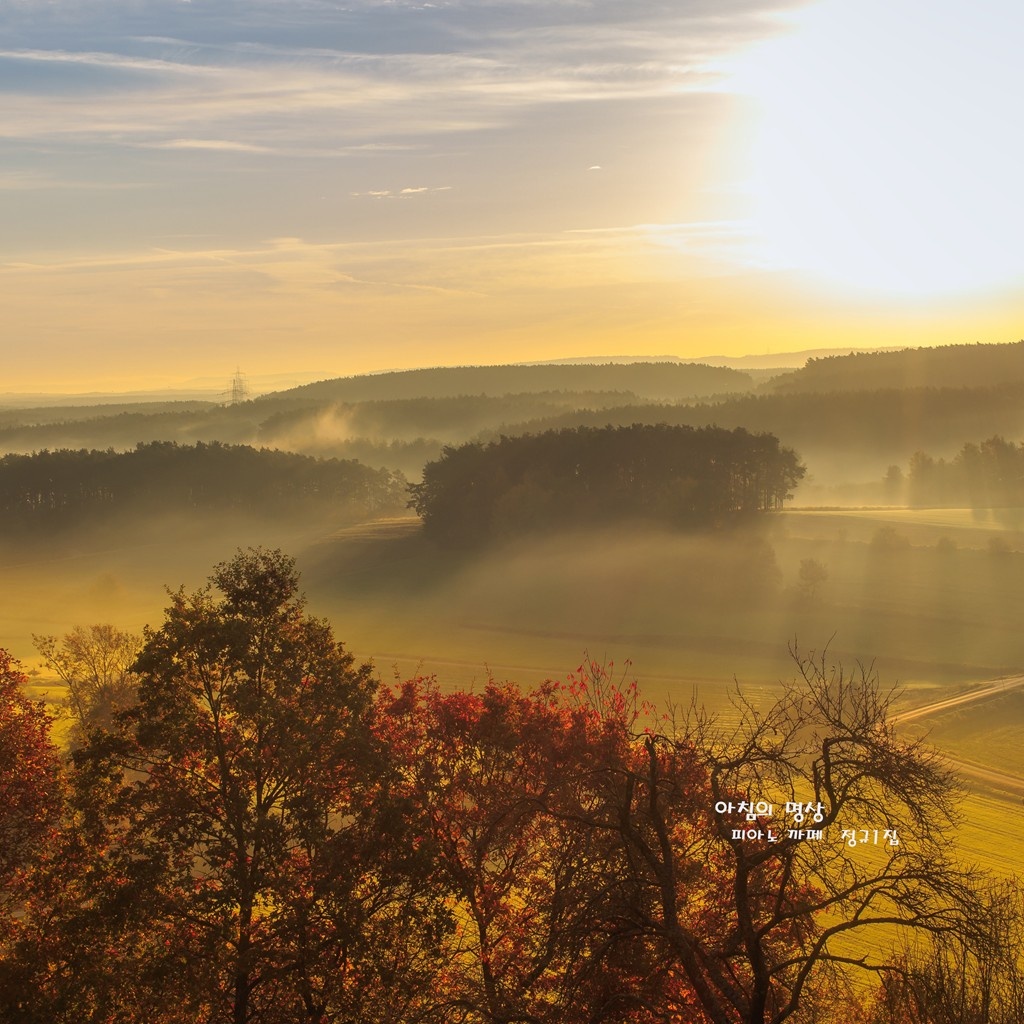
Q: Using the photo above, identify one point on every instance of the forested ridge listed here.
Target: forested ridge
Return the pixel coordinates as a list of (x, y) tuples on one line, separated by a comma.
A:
[(657, 381), (851, 410), (28, 430), (676, 474), (940, 366), (883, 422), (888, 424), (76, 413), (55, 487), (304, 424)]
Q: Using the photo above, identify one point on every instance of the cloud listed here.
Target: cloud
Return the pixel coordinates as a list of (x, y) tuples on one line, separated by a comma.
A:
[(115, 61), (387, 193), (246, 118), (291, 78), (212, 144)]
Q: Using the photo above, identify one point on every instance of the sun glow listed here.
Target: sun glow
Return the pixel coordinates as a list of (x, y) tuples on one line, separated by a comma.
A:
[(886, 156)]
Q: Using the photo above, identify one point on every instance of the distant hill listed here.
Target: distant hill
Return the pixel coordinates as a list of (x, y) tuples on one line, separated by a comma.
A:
[(849, 416), (884, 424), (947, 366), (316, 426), (763, 361), (784, 360), (37, 415), (651, 381), (205, 390)]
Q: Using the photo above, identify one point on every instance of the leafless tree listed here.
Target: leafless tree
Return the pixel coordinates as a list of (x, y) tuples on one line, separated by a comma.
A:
[(973, 976), (759, 910), (95, 663)]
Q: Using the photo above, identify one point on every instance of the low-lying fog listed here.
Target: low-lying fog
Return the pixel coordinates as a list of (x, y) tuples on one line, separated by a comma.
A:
[(932, 601)]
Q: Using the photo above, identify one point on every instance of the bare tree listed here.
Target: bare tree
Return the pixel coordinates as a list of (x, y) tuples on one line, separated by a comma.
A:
[(768, 862), (963, 977), (95, 663)]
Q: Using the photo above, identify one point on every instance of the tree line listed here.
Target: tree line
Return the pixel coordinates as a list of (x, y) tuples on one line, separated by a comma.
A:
[(265, 833), (884, 424), (583, 476), (668, 381), (985, 475), (66, 486), (939, 366)]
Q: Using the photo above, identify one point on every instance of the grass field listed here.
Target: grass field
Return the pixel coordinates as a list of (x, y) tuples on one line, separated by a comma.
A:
[(930, 601), (686, 611)]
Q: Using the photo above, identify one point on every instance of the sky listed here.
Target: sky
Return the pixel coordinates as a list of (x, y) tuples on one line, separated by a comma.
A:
[(324, 187)]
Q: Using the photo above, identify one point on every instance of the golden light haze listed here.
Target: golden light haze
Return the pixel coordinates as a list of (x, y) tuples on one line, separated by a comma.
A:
[(398, 185), (291, 305)]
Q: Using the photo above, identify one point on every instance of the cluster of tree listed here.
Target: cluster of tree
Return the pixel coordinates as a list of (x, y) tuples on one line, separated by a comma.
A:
[(268, 835), (70, 486), (985, 475), (941, 366), (679, 475), (959, 977)]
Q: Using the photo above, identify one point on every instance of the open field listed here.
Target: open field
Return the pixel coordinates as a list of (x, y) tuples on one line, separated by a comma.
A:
[(692, 614), (687, 610), (698, 610)]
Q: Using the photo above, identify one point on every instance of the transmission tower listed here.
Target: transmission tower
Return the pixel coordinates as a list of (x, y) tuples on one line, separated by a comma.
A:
[(238, 390)]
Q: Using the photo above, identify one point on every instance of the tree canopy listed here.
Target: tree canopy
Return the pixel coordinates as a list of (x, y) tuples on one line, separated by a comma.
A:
[(268, 834), (985, 475), (680, 475), (61, 487), (29, 788)]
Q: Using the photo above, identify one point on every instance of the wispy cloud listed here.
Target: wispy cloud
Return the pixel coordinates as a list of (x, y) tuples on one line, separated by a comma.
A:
[(114, 61), (226, 145), (407, 70), (402, 193)]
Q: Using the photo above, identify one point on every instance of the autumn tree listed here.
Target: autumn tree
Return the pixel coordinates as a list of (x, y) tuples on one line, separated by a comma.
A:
[(645, 796), (527, 885), (248, 824), (31, 796), (30, 788)]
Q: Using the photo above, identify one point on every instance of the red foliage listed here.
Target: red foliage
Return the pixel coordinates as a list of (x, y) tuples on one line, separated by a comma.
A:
[(30, 787)]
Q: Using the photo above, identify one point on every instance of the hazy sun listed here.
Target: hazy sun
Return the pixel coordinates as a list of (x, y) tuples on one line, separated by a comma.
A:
[(887, 154)]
